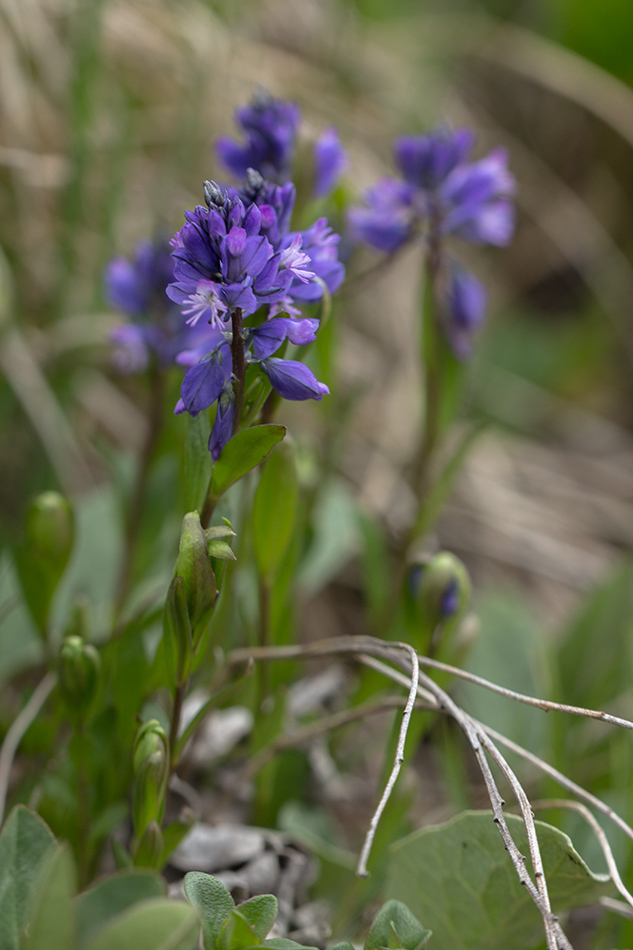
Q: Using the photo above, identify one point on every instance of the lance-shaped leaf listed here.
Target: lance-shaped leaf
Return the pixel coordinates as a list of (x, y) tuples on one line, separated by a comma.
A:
[(395, 926), (241, 454), (274, 508), (111, 896)]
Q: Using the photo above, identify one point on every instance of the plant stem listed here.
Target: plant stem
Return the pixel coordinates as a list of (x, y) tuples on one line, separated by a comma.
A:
[(135, 511), (176, 712)]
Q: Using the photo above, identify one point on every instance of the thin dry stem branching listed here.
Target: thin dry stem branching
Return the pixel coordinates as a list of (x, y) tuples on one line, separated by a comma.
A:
[(361, 869), (597, 829), (366, 649), (545, 704)]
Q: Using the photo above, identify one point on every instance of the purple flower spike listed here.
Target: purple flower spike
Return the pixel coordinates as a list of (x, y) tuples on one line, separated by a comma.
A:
[(464, 309), (330, 161), (293, 380), (223, 426)]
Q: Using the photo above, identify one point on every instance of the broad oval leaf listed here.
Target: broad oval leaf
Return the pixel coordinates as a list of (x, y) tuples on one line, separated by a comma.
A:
[(155, 924), (458, 879), (241, 454), (260, 913), (25, 843), (51, 921), (212, 902), (111, 896)]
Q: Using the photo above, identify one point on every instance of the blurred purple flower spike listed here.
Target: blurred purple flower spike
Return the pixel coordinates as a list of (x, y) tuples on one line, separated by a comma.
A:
[(440, 189), (426, 160), (271, 126), (137, 287)]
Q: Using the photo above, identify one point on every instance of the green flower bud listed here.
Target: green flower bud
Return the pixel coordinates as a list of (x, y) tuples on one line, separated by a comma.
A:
[(178, 639), (437, 595), (151, 773), (149, 851), (43, 555), (194, 566), (78, 664)]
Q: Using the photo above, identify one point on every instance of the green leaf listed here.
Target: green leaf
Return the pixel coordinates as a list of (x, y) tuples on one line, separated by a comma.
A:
[(260, 913), (221, 549), (51, 921), (283, 943), (336, 536), (236, 933), (198, 462), (212, 902), (459, 880), (274, 509), (25, 843), (342, 945), (395, 926), (111, 896), (241, 454), (154, 924)]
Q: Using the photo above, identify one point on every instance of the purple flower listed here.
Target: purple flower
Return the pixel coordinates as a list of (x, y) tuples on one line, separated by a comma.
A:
[(270, 126), (204, 381), (223, 260), (293, 380), (224, 420), (268, 336), (330, 161), (463, 305)]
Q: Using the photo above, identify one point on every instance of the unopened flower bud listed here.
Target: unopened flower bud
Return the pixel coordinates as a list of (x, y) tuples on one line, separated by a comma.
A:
[(437, 594), (149, 851), (194, 566), (42, 558), (151, 772), (78, 665)]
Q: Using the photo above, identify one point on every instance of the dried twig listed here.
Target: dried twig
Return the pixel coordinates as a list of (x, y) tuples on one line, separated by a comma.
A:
[(361, 869), (545, 704), (603, 841)]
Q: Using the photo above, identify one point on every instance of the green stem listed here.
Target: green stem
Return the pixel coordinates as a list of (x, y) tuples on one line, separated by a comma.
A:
[(135, 511), (176, 713)]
